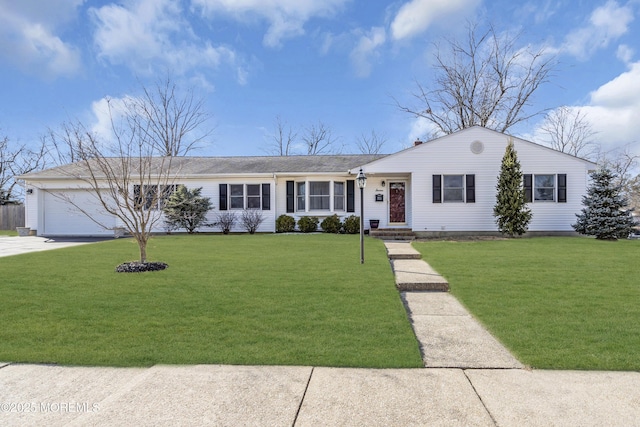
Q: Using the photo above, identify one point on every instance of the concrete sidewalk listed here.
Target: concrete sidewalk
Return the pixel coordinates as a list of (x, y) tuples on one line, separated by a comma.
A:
[(205, 395), (469, 380)]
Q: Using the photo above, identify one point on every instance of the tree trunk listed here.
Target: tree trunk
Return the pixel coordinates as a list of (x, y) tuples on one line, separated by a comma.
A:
[(142, 245)]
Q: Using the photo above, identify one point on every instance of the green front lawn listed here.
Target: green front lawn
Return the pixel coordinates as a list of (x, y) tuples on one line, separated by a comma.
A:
[(238, 299), (8, 233), (557, 303)]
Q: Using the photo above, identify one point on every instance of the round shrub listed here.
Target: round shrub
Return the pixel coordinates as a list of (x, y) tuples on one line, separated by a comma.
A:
[(285, 224), (308, 224), (331, 224), (351, 224)]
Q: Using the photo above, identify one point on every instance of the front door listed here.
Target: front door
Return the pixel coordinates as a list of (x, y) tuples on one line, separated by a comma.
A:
[(396, 202)]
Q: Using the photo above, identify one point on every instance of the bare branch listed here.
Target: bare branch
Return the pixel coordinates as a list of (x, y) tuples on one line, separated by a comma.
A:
[(282, 139), (318, 139), (483, 81), (370, 144), (567, 130)]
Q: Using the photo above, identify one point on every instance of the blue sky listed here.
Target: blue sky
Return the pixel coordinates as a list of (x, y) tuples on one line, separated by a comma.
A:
[(340, 62)]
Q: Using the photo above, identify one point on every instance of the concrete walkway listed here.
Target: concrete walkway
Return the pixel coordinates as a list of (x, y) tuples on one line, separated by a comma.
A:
[(449, 336), (455, 393)]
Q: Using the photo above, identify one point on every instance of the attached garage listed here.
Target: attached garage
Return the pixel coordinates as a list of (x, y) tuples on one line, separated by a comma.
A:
[(61, 218)]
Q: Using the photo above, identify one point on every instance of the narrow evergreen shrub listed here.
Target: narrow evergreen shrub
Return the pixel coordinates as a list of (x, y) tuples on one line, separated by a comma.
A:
[(308, 224), (511, 211), (351, 224), (331, 224), (285, 224)]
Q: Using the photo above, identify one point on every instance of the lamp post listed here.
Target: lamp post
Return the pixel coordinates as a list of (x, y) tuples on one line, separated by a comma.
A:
[(361, 179)]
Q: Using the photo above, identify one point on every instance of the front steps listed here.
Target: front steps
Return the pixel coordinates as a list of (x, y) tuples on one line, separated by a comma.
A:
[(392, 233), (412, 273)]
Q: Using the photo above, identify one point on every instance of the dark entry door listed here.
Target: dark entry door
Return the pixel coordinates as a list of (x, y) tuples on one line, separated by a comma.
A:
[(396, 202)]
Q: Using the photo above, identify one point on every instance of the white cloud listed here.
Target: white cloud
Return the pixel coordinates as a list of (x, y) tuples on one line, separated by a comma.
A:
[(366, 50), (28, 36), (613, 110), (286, 18), (416, 16), (606, 24), (625, 53), (145, 34)]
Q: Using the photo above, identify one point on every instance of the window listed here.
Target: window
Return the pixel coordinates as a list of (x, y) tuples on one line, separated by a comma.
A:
[(338, 196), (236, 196), (149, 199), (453, 188), (241, 196), (301, 195), (253, 196), (544, 188), (319, 195)]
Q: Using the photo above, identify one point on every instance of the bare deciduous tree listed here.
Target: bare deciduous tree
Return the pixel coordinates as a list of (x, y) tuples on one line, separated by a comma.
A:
[(282, 139), (485, 80), (172, 121), (124, 175), (318, 139), (14, 161), (567, 130), (624, 162), (370, 144)]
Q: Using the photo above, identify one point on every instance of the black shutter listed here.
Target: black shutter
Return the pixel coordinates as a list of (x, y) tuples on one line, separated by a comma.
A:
[(528, 188), (437, 188), (266, 197), (291, 197), (471, 188), (351, 195), (562, 188), (223, 197)]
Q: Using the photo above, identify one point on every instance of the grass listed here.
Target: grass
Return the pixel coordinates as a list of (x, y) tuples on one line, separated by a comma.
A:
[(238, 299), (557, 303), (8, 233)]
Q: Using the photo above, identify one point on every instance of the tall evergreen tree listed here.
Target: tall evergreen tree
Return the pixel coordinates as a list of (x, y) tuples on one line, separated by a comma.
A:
[(186, 209), (510, 210), (605, 214)]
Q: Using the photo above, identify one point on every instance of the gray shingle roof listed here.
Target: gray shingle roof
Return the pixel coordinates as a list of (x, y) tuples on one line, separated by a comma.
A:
[(203, 166)]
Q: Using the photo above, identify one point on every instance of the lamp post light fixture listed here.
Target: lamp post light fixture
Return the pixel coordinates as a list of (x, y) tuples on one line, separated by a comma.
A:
[(361, 179)]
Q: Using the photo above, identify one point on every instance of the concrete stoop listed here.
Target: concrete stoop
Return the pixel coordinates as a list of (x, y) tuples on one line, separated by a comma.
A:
[(411, 272)]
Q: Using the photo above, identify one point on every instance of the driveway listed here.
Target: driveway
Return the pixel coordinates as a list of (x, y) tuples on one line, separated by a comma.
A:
[(22, 245)]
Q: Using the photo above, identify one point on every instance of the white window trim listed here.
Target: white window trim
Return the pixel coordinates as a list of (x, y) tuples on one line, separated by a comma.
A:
[(332, 195)]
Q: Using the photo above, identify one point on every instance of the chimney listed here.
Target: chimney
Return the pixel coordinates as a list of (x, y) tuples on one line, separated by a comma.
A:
[(417, 142)]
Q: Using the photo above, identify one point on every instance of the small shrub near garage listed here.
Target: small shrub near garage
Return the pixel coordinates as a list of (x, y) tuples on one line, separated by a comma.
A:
[(285, 224), (308, 224), (351, 224), (331, 224)]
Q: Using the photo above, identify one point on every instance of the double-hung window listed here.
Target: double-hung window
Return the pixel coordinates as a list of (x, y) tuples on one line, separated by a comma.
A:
[(544, 188), (150, 197), (236, 196), (253, 196), (301, 196), (319, 195), (338, 196), (453, 188)]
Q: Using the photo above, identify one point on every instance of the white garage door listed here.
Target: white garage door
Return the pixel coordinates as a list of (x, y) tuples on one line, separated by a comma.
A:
[(63, 219)]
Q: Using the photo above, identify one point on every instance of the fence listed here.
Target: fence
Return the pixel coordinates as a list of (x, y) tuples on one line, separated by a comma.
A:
[(11, 216)]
